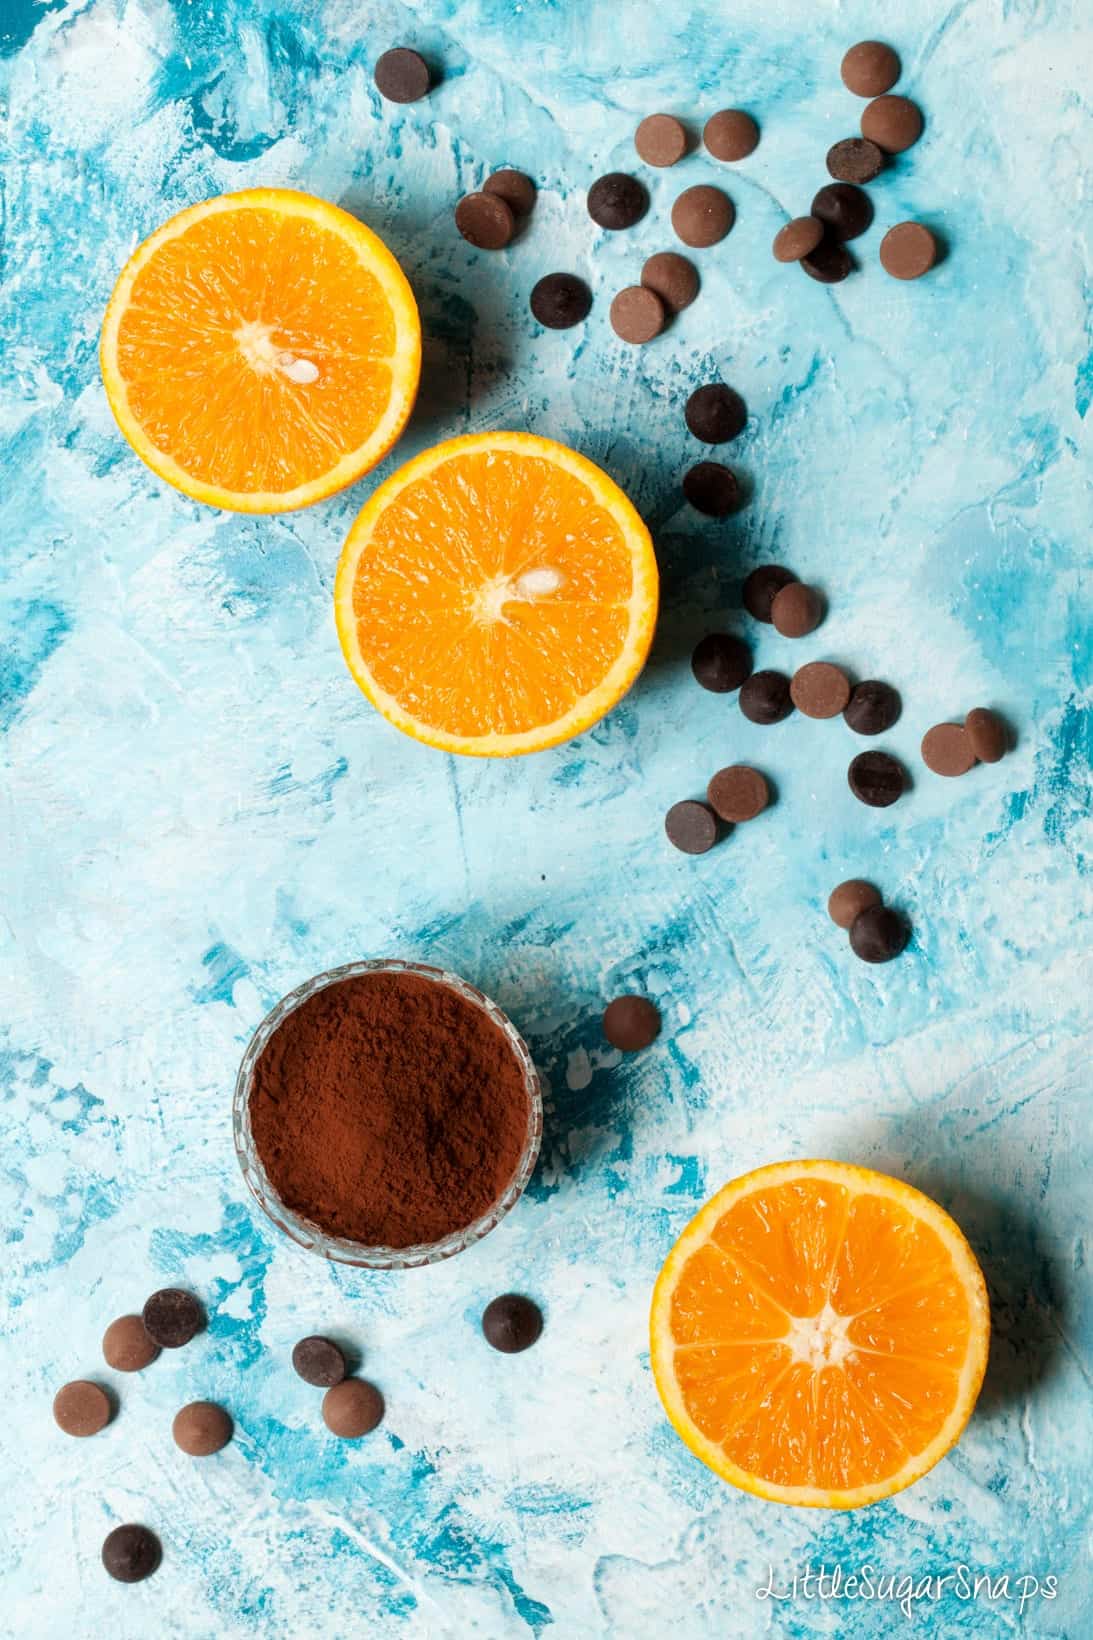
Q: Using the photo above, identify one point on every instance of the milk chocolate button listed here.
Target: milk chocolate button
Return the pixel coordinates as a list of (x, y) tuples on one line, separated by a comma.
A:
[(201, 1429), (721, 662), (893, 123), (131, 1553), (873, 707), (674, 279), (761, 587), (797, 238), (870, 68), (617, 201), (512, 1323), (738, 793), (318, 1361), (855, 159), (517, 190), (715, 414), (878, 934), (485, 221), (947, 749), (560, 300), (844, 210), (796, 610), (81, 1408), (764, 698), (352, 1408), (172, 1317), (660, 139), (630, 1023), (712, 489), (126, 1345), (703, 215), (876, 779), (987, 734), (908, 250), (820, 690), (401, 75), (637, 314), (731, 134), (691, 827), (849, 900), (830, 263)]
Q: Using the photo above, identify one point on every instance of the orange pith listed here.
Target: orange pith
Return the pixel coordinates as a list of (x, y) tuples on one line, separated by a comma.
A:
[(819, 1334), (497, 595)]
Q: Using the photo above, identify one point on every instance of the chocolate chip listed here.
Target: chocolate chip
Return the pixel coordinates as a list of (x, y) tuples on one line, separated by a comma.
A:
[(715, 414), (721, 662), (761, 587), (81, 1408), (873, 707), (485, 221), (893, 123), (796, 610), (630, 1023), (352, 1408), (820, 690), (764, 698), (691, 827), (201, 1429), (617, 201), (660, 139), (908, 250), (511, 1323), (849, 900), (947, 749), (560, 300), (797, 238), (830, 263), (172, 1317), (517, 190), (637, 314), (703, 215), (401, 75), (987, 734), (712, 489), (844, 210), (131, 1553), (126, 1345), (731, 134), (318, 1361), (674, 279), (738, 793), (878, 934), (870, 68), (875, 779), (855, 159)]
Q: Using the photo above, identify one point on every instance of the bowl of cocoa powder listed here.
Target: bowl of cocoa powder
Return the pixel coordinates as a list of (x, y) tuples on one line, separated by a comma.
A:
[(387, 1114)]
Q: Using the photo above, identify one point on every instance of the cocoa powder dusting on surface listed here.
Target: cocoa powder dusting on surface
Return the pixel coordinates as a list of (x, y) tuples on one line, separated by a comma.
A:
[(388, 1110)]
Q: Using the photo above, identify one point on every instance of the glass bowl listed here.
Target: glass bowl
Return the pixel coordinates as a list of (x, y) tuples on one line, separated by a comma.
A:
[(310, 1236)]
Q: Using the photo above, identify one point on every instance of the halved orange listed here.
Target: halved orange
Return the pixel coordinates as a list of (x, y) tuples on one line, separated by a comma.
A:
[(496, 595), (819, 1334), (261, 350)]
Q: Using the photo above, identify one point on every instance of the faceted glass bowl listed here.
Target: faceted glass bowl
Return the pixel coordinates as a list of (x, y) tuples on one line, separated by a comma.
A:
[(337, 1248)]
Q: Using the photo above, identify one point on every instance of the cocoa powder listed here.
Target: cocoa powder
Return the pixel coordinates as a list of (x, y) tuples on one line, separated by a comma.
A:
[(389, 1110)]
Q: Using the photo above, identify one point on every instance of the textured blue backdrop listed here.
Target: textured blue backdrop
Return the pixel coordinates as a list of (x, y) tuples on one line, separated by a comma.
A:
[(200, 811)]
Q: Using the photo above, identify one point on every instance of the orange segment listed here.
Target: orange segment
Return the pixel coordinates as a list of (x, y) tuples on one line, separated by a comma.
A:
[(819, 1334), (497, 595), (261, 350)]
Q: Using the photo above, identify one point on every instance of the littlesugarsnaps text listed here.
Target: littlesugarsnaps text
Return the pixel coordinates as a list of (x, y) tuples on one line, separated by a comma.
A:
[(908, 1591)]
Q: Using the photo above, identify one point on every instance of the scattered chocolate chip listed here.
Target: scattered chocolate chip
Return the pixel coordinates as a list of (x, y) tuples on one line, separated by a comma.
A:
[(517, 190), (352, 1408), (126, 1345), (721, 662), (893, 123), (201, 1429), (637, 314), (511, 1323), (485, 221), (660, 139), (715, 414), (131, 1553), (987, 734), (560, 300), (830, 263), (878, 934), (617, 201), (630, 1023), (855, 159), (908, 250), (761, 587), (674, 279), (764, 698), (873, 707), (820, 690), (81, 1408), (797, 238), (401, 75), (318, 1361), (712, 489), (796, 610), (172, 1317), (849, 900), (738, 793), (875, 779), (731, 134), (703, 215), (870, 68), (691, 827), (844, 210), (947, 749)]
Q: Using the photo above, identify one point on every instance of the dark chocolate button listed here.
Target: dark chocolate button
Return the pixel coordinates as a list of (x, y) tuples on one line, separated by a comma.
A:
[(738, 793), (660, 139), (401, 75), (797, 238), (875, 779), (721, 662), (844, 210), (560, 300), (947, 749), (691, 827), (855, 159), (908, 250), (849, 900), (796, 610), (81, 1408), (870, 68), (731, 134), (878, 934), (485, 221), (201, 1429), (126, 1345), (702, 216), (715, 414), (674, 279), (172, 1317), (893, 123), (131, 1553), (712, 489), (352, 1408), (761, 588), (872, 708), (630, 1023), (617, 201), (830, 263), (987, 734), (517, 190), (637, 314), (820, 690), (318, 1361), (512, 1323), (765, 698)]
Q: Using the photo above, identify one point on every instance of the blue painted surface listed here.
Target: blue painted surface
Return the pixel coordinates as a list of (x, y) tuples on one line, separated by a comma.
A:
[(200, 811)]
